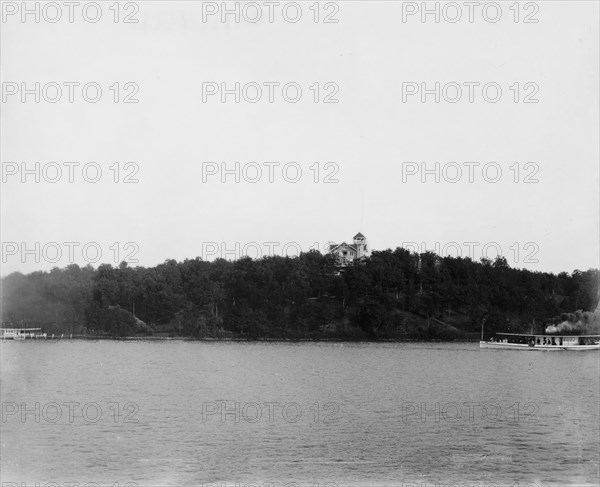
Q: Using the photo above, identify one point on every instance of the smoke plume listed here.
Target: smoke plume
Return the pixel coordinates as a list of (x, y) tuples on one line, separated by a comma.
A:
[(565, 327), (578, 323)]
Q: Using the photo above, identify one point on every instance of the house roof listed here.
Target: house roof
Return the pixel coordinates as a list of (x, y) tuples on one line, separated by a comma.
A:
[(332, 247), (359, 235)]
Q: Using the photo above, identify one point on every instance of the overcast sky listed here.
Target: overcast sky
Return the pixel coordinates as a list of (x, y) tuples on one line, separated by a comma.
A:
[(367, 137)]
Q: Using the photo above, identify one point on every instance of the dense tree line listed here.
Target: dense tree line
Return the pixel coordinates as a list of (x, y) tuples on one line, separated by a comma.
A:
[(394, 294)]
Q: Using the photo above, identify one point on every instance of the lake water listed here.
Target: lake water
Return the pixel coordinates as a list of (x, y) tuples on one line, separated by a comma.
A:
[(267, 414)]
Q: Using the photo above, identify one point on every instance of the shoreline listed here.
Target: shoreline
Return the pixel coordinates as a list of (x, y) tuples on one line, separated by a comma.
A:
[(277, 340)]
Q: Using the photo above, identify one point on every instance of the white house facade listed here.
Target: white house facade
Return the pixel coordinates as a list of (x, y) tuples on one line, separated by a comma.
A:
[(350, 254)]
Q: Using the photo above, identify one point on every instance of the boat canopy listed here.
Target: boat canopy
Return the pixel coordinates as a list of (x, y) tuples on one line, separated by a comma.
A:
[(543, 335), (20, 329)]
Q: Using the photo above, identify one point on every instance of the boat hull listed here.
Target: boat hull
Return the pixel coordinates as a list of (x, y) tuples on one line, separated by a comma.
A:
[(543, 348)]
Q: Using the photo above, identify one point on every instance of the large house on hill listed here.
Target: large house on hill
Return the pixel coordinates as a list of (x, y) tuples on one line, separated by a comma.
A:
[(350, 254)]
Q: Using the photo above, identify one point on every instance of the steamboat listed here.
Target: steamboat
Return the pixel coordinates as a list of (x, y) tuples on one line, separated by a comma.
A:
[(551, 343)]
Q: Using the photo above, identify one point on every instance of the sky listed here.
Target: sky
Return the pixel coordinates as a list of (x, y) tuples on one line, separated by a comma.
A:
[(517, 172)]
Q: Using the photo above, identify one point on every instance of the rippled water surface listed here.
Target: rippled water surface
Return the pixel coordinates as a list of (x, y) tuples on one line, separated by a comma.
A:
[(187, 413)]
